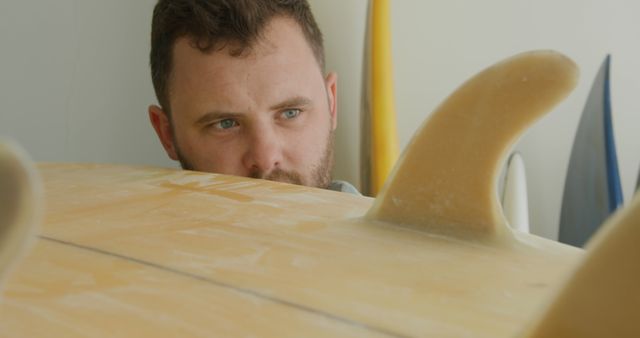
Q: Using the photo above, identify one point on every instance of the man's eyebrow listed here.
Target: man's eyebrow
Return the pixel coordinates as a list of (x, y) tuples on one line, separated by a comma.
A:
[(297, 101), (215, 116)]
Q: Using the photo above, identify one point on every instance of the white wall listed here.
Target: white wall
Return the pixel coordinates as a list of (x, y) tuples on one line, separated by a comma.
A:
[(343, 25), (75, 85), (437, 45)]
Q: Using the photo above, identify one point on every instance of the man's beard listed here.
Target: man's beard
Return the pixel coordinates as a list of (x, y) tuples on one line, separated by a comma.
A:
[(320, 174)]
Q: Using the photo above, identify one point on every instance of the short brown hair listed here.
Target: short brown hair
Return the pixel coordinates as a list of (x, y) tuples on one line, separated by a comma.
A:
[(211, 24)]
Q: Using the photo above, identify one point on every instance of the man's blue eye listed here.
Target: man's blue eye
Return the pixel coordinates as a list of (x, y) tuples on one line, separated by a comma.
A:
[(291, 113), (226, 124)]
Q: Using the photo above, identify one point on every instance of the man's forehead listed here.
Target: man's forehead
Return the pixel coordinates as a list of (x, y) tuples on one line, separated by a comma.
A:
[(279, 66), (283, 44)]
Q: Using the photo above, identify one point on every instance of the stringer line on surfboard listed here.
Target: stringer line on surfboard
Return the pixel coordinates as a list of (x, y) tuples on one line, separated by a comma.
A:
[(245, 291)]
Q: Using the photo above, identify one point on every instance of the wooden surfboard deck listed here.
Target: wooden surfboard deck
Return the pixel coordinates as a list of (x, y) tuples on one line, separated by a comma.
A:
[(147, 252)]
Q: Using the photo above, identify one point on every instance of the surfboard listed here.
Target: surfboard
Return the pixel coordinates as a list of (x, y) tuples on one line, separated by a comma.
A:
[(378, 141), (592, 189), (129, 251), (515, 202)]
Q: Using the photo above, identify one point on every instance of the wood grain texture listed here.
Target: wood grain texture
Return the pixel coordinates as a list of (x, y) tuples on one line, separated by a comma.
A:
[(148, 252)]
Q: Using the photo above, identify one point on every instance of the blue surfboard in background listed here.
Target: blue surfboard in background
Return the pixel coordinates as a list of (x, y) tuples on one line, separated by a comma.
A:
[(592, 187)]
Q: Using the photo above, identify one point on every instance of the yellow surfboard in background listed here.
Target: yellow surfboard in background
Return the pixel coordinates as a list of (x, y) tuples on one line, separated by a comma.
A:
[(379, 136)]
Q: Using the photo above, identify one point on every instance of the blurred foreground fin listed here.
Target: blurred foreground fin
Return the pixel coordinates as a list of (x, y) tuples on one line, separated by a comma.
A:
[(602, 298), (20, 195)]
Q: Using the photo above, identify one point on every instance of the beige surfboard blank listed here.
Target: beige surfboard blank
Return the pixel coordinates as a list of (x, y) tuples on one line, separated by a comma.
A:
[(19, 204), (446, 180), (149, 252), (602, 298)]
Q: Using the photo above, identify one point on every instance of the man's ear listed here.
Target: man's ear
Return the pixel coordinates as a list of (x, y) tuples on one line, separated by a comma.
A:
[(331, 83), (160, 122)]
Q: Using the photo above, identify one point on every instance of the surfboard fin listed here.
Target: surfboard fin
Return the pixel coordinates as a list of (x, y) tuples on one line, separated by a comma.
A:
[(20, 195), (445, 182), (602, 298)]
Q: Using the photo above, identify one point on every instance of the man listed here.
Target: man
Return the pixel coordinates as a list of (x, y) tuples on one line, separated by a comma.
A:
[(241, 89)]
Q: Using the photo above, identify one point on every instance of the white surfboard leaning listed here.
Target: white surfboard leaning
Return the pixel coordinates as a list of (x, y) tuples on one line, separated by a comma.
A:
[(515, 202)]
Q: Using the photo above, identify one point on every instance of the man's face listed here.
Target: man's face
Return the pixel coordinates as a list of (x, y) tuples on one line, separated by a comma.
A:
[(266, 114)]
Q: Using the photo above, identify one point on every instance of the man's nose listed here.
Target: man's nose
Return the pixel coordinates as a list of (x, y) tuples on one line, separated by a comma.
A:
[(264, 152)]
